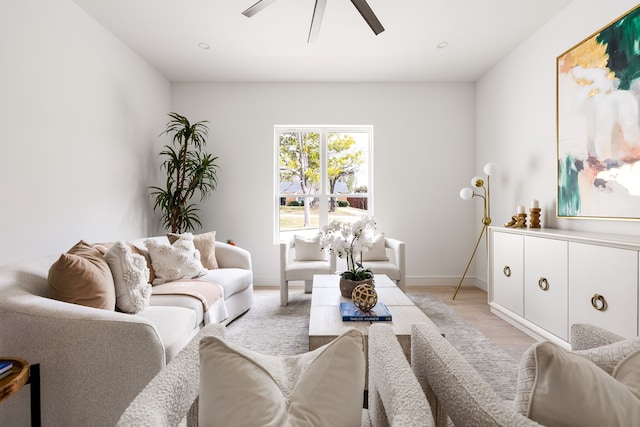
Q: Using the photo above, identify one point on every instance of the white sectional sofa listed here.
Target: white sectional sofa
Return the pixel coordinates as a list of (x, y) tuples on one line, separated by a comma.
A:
[(93, 361)]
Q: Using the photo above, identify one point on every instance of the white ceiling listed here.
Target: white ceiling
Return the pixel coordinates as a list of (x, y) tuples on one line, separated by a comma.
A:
[(272, 45)]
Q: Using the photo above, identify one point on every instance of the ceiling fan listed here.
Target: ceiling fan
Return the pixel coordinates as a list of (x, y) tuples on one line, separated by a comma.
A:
[(318, 10)]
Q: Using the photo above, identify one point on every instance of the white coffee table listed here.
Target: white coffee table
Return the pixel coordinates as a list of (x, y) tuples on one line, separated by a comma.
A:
[(326, 324)]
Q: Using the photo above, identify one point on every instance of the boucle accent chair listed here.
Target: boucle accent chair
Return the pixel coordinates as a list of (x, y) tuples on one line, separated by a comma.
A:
[(395, 396), (455, 390)]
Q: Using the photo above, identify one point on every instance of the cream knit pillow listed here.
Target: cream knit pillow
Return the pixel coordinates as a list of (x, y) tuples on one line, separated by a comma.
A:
[(131, 278), (206, 244), (181, 260), (308, 248), (377, 251)]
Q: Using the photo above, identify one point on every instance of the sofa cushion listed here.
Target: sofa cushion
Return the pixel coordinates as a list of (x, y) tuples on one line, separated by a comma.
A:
[(308, 248), (82, 276), (322, 387), (206, 244), (180, 260), (130, 276), (184, 301), (175, 326), (232, 280), (564, 389), (377, 252)]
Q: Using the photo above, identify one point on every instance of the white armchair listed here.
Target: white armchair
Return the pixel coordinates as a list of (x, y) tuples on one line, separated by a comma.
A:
[(390, 261), (301, 262)]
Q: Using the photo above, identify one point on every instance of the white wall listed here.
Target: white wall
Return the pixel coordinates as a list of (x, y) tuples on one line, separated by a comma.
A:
[(516, 117), (80, 115), (423, 155)]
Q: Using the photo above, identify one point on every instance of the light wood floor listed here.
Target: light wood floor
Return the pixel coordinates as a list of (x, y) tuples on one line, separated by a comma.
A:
[(471, 305)]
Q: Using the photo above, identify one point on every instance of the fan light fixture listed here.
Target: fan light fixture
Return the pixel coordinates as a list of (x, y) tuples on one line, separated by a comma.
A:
[(318, 11)]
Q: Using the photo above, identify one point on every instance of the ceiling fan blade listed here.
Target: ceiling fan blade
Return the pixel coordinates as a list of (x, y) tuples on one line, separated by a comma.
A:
[(261, 4), (368, 15), (316, 20)]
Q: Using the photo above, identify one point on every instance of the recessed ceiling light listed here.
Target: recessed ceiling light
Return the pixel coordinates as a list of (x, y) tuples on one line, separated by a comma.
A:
[(204, 46), (442, 45)]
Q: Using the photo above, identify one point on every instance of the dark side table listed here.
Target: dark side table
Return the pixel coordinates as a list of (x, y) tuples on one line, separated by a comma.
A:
[(22, 373)]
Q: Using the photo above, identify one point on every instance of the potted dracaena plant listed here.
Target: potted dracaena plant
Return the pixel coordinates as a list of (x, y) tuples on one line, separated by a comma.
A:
[(350, 240), (189, 169)]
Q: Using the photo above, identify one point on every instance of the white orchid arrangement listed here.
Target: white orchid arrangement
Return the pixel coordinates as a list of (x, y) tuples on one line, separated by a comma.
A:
[(346, 240)]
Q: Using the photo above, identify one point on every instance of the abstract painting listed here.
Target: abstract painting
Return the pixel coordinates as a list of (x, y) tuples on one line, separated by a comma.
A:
[(598, 123)]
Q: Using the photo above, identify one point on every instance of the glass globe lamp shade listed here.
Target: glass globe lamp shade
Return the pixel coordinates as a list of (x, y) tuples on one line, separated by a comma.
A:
[(477, 181), (466, 193), (491, 168)]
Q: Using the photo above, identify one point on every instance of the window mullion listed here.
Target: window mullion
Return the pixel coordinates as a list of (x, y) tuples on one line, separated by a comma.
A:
[(323, 200)]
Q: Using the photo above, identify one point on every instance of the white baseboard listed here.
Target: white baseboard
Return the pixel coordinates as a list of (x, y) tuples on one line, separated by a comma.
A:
[(422, 281)]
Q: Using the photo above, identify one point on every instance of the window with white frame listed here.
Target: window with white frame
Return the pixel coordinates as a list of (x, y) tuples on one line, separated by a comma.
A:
[(323, 173)]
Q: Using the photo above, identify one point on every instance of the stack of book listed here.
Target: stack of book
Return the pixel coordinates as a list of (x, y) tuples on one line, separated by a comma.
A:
[(379, 313), (5, 368)]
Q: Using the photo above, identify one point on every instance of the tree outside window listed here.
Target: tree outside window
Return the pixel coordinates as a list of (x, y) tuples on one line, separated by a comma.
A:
[(323, 174)]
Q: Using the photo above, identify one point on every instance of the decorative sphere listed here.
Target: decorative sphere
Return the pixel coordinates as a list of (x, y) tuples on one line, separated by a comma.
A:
[(364, 296)]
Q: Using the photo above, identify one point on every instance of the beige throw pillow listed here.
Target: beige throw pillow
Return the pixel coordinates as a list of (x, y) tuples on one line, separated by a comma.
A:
[(130, 276), (377, 251), (323, 387), (181, 260), (82, 276), (628, 373), (565, 389), (308, 248), (206, 244)]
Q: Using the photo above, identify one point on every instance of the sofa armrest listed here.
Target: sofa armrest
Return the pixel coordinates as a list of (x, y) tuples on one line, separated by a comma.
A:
[(585, 336), (284, 247), (167, 399), (398, 248), (230, 256), (84, 355)]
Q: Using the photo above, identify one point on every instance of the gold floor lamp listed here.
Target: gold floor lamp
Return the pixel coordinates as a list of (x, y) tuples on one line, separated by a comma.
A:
[(468, 194)]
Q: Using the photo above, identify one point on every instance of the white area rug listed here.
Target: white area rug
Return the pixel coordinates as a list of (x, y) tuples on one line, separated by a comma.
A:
[(271, 329)]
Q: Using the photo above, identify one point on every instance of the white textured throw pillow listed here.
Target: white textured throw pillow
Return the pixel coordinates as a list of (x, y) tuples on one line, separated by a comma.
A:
[(377, 251), (323, 387), (565, 389), (181, 260), (130, 276), (308, 248)]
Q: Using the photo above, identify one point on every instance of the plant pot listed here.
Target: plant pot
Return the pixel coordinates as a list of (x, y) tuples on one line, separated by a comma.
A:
[(347, 286)]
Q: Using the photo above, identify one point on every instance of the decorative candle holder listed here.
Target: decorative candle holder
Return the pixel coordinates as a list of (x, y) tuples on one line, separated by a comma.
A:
[(521, 221), (534, 222)]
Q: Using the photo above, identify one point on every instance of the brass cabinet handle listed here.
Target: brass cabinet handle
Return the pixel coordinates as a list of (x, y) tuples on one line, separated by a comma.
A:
[(598, 302), (507, 271), (543, 284)]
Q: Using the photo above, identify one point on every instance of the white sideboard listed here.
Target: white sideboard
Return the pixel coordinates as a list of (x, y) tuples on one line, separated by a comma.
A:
[(544, 280)]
